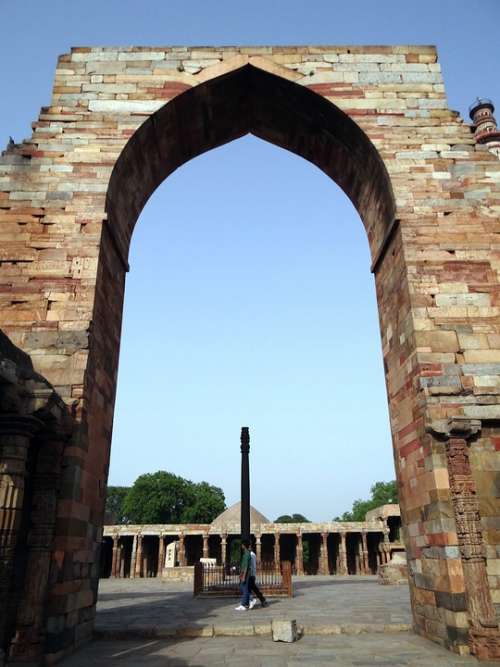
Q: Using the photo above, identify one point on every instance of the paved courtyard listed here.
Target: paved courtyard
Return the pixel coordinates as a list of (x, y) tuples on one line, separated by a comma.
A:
[(369, 650), (145, 607), (147, 622)]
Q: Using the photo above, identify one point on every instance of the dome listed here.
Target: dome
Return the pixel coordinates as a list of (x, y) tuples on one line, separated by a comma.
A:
[(229, 520)]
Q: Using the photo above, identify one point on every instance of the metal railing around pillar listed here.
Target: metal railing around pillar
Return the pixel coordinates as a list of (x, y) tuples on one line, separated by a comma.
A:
[(222, 581)]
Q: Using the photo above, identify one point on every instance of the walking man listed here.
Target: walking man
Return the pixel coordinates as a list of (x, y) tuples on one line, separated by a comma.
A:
[(245, 566), (252, 582)]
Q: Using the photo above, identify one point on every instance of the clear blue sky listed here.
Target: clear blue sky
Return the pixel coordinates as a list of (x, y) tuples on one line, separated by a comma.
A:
[(249, 300)]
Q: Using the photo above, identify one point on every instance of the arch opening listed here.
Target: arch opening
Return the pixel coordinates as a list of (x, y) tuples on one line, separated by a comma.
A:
[(250, 100)]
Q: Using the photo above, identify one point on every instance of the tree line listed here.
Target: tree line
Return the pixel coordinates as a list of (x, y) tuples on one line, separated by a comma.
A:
[(382, 493), (162, 497)]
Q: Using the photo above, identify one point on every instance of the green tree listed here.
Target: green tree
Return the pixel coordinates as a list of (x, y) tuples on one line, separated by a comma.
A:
[(382, 493), (205, 503), (162, 497), (159, 497), (292, 518), (114, 513)]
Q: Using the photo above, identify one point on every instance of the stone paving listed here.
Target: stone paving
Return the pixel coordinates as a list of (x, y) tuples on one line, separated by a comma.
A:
[(374, 650), (141, 608), (148, 607)]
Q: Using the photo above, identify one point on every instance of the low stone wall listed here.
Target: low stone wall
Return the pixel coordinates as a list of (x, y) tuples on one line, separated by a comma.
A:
[(178, 573)]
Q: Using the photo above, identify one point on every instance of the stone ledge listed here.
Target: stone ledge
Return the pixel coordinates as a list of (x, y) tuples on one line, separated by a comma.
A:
[(250, 630)]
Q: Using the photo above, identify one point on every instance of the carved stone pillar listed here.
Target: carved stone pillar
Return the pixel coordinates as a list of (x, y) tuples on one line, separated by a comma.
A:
[(258, 549), (161, 555), (114, 560), (343, 554), (28, 642), (366, 562), (277, 550), (133, 557), (16, 433), (182, 551), (484, 632), (299, 556), (138, 557), (121, 562), (205, 546), (223, 548), (323, 557), (359, 558)]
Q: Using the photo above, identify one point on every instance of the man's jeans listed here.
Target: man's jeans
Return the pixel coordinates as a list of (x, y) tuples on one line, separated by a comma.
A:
[(245, 593)]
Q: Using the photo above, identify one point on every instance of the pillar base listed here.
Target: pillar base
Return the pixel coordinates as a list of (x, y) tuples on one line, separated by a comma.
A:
[(485, 643)]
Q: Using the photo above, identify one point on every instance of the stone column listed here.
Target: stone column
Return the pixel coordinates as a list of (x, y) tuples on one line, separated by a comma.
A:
[(114, 560), (133, 557), (205, 546), (182, 551), (223, 548), (161, 555), (484, 630), (29, 640), (343, 554), (366, 560), (387, 546), (138, 557), (121, 562), (323, 554), (277, 550), (16, 432), (359, 557), (258, 549), (299, 555)]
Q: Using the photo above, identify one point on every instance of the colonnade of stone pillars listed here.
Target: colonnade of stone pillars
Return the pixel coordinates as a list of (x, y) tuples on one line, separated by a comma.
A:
[(350, 553)]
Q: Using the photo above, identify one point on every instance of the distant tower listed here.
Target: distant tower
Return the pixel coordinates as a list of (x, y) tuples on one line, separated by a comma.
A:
[(485, 125)]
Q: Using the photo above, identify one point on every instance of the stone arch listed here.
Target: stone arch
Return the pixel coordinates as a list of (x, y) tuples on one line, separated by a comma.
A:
[(62, 278), (250, 100)]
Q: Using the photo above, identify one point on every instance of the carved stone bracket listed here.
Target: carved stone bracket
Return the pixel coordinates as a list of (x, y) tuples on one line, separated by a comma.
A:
[(456, 427)]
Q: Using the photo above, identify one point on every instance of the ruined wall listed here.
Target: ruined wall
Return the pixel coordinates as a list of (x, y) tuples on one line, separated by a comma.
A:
[(63, 256)]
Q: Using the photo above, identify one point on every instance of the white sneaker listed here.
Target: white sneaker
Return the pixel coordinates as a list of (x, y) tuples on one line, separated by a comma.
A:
[(241, 608), (252, 603)]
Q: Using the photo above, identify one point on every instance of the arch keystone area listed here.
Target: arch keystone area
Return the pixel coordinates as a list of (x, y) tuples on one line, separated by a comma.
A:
[(70, 196)]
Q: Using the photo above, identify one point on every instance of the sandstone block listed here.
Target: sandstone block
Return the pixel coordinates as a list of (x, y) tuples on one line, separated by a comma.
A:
[(438, 341), (478, 356), (141, 55), (126, 106), (284, 631)]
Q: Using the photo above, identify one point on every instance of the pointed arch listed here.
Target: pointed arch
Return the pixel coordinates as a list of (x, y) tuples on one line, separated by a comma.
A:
[(250, 100)]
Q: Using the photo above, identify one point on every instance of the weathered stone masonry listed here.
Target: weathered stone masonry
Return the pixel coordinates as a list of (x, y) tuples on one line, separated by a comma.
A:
[(376, 120)]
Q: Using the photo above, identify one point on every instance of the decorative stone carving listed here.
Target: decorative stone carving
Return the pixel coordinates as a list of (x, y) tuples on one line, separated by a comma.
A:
[(484, 632)]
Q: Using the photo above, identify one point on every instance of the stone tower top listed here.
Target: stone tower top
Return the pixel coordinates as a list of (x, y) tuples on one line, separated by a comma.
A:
[(485, 125)]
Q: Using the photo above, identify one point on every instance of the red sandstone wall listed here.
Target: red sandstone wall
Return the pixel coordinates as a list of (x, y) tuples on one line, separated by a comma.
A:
[(62, 279)]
